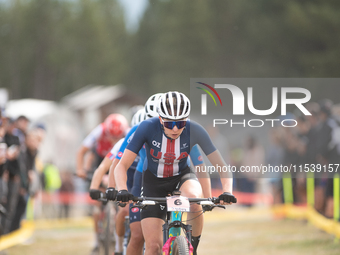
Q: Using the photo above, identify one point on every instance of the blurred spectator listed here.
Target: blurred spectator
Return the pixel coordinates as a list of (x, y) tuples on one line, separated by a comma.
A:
[(27, 168), (13, 168), (3, 171), (21, 127), (221, 143), (274, 157), (51, 184), (65, 191), (253, 155), (329, 153)]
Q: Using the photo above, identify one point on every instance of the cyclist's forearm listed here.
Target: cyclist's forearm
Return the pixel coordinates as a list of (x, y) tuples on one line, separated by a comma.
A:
[(206, 186), (100, 172), (120, 172), (204, 179), (120, 175), (227, 184), (80, 159), (112, 182), (226, 177)]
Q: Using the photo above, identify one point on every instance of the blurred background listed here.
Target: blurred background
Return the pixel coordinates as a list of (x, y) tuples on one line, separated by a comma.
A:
[(65, 65)]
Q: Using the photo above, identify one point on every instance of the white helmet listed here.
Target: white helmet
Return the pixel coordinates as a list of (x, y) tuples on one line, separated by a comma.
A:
[(174, 105), (138, 117), (152, 104)]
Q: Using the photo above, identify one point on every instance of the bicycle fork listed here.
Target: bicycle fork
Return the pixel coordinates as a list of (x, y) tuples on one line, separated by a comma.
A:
[(174, 227)]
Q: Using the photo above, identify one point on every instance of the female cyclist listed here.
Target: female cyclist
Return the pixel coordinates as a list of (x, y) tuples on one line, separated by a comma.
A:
[(168, 140)]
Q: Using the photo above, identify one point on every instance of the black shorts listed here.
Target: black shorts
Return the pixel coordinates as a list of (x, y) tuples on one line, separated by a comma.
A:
[(162, 187)]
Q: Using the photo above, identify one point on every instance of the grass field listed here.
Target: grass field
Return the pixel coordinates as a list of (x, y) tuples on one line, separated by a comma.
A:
[(236, 231)]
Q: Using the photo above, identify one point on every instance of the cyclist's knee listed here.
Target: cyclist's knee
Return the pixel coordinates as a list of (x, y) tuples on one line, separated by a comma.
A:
[(137, 237), (154, 248), (192, 189), (136, 241), (192, 193)]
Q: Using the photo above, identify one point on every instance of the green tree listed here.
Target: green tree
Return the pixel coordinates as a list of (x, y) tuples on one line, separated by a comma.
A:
[(52, 47)]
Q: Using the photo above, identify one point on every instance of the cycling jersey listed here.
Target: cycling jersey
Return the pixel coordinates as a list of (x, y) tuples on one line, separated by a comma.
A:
[(168, 157), (196, 156), (141, 154), (131, 171), (134, 213), (115, 151), (126, 141), (99, 140)]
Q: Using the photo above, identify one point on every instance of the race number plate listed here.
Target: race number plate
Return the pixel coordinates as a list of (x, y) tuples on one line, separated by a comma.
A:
[(178, 204)]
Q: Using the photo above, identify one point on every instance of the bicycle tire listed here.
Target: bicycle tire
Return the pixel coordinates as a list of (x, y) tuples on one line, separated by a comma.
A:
[(108, 227), (127, 234), (107, 235), (180, 246)]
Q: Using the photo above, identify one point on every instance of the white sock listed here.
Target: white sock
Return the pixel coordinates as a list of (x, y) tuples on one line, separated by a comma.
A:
[(119, 243), (96, 239)]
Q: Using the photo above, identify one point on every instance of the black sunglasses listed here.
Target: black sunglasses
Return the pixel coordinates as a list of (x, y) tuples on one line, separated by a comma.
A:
[(170, 124)]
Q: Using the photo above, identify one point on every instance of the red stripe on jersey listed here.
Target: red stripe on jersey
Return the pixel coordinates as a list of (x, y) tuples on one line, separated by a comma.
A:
[(169, 158), (109, 155)]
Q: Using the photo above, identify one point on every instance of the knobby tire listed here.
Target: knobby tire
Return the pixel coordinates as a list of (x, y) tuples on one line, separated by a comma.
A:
[(180, 246)]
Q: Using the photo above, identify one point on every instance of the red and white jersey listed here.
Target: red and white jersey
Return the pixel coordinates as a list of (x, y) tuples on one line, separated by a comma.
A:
[(99, 140), (115, 150)]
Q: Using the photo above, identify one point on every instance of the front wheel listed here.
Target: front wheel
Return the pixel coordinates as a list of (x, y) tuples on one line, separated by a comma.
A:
[(180, 246)]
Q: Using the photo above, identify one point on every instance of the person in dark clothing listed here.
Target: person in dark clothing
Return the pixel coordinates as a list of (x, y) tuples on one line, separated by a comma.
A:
[(27, 166), (3, 176), (13, 168), (329, 153)]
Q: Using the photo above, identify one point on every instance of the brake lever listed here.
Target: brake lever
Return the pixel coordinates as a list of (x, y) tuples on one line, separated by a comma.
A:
[(220, 206), (121, 204)]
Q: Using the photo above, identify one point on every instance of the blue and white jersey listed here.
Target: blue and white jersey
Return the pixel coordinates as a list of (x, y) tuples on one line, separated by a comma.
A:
[(126, 141), (196, 156), (142, 160), (168, 157), (138, 162)]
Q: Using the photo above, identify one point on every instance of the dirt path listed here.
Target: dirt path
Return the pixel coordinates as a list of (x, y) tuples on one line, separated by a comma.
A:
[(237, 231)]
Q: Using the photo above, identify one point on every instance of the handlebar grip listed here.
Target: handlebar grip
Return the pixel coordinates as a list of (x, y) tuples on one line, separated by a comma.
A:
[(137, 199)]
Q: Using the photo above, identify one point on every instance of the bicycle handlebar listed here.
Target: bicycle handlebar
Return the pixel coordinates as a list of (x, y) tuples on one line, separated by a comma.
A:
[(145, 201), (208, 204), (88, 177), (202, 201)]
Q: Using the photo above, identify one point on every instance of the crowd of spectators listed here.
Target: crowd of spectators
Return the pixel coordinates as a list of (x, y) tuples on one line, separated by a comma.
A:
[(312, 146), (19, 145)]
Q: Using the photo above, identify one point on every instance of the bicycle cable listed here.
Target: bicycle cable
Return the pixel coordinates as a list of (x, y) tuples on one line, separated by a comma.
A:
[(185, 221)]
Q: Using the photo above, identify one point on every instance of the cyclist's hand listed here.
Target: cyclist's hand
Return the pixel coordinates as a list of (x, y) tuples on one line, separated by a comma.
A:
[(124, 196), (95, 194), (81, 173), (227, 198), (111, 193)]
